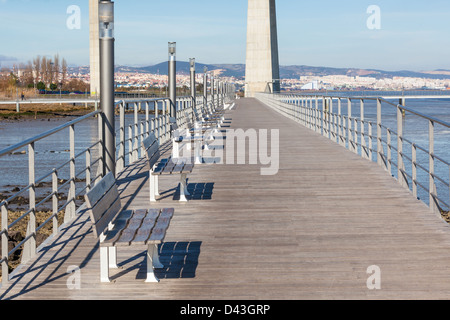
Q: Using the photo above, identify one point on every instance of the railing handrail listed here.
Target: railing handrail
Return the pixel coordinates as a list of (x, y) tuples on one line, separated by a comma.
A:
[(417, 113), (379, 93), (80, 119), (350, 131), (46, 134)]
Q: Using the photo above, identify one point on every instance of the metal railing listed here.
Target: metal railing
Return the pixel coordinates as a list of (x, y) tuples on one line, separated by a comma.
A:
[(131, 131), (377, 131), (381, 93)]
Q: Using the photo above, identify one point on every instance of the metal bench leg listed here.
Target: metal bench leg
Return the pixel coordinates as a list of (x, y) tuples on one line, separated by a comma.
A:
[(156, 185), (113, 258), (176, 149), (152, 262), (198, 151), (104, 264), (183, 188), (152, 187)]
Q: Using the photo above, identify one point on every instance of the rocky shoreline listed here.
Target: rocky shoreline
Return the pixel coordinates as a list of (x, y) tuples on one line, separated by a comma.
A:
[(19, 206), (43, 112)]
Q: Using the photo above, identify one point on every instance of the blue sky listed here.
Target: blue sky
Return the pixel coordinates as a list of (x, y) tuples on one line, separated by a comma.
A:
[(414, 35)]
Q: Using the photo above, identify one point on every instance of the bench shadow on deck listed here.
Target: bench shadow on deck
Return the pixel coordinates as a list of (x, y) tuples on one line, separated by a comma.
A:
[(309, 232)]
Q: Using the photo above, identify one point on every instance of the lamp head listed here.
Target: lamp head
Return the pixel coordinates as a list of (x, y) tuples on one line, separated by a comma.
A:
[(106, 19)]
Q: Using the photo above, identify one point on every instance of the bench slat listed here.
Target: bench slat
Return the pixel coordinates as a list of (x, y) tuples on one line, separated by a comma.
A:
[(99, 209), (119, 225), (169, 168), (151, 146), (129, 233), (159, 231), (188, 168), (109, 215), (97, 192), (178, 168), (147, 227)]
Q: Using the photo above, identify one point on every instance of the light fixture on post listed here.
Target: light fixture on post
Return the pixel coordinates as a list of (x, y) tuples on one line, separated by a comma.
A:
[(172, 78), (106, 35)]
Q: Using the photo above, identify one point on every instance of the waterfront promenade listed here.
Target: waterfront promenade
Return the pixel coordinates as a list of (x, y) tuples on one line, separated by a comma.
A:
[(309, 232)]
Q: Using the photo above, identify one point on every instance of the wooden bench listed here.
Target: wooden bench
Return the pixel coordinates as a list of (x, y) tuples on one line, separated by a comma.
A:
[(160, 167), (200, 126), (187, 139), (218, 114), (115, 227), (208, 119)]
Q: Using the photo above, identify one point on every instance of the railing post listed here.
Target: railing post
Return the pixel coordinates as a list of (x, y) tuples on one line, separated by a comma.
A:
[(30, 246), (147, 117), (340, 131), (55, 201), (414, 169), (432, 185), (121, 156), (379, 135), (364, 151), (370, 141), (349, 125), (400, 165), (142, 137), (389, 151), (130, 145), (355, 138), (88, 170), (331, 120), (71, 208), (136, 134), (4, 255), (101, 164), (323, 116)]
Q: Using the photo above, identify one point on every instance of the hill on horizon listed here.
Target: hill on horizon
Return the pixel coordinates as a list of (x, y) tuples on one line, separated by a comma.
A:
[(288, 72)]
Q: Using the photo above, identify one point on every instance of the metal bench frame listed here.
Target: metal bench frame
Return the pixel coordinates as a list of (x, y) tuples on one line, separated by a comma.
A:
[(159, 167), (115, 227)]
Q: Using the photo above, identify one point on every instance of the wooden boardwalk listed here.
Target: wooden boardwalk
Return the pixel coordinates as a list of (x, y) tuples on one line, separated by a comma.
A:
[(309, 232)]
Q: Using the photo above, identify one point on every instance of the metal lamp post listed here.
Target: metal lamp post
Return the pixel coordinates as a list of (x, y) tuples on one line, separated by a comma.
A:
[(106, 20), (205, 86), (172, 79), (193, 88), (212, 90)]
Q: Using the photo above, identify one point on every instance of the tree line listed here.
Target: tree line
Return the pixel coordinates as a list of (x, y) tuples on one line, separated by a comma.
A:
[(41, 73)]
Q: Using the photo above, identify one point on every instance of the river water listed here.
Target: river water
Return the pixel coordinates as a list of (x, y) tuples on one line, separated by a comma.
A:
[(54, 150), (50, 152)]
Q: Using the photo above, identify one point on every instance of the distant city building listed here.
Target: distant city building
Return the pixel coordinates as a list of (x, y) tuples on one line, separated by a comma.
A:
[(311, 86)]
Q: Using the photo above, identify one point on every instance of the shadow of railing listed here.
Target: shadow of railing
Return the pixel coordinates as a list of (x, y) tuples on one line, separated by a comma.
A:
[(51, 257)]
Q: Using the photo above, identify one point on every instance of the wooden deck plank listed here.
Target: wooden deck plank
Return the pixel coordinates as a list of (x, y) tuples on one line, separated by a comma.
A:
[(309, 232)]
